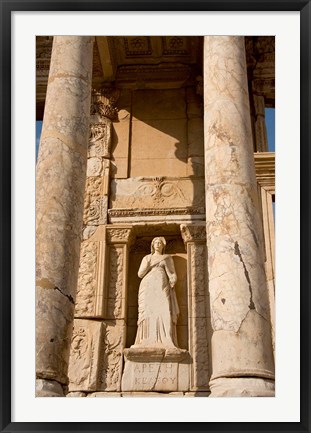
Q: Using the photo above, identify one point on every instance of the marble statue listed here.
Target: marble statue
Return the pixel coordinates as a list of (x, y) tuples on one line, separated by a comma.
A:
[(157, 303)]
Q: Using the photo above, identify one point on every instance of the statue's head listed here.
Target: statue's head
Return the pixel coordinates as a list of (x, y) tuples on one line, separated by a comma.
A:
[(158, 243)]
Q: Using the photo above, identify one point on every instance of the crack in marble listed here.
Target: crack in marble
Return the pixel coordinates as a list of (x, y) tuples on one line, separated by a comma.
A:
[(69, 297), (238, 253)]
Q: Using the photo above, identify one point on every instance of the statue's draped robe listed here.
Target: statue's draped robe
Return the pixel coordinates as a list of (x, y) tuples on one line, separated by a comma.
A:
[(157, 304)]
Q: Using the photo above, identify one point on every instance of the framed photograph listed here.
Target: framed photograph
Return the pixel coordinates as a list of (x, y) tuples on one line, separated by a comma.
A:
[(159, 218)]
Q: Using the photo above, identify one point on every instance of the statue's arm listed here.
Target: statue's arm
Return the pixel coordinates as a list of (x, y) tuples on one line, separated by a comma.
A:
[(144, 267), (170, 270)]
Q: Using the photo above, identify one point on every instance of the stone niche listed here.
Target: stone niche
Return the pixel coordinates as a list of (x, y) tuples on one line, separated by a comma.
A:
[(157, 369), (101, 357)]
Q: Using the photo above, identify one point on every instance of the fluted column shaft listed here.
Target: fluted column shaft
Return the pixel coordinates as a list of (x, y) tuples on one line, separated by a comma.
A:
[(60, 183), (242, 358)]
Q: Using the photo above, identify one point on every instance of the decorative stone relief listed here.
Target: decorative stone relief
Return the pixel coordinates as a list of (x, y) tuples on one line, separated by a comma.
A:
[(87, 281), (104, 102), (193, 233), (118, 235), (118, 239), (144, 194), (137, 46), (111, 356), (84, 355), (92, 200), (100, 139), (115, 285), (175, 45), (195, 237)]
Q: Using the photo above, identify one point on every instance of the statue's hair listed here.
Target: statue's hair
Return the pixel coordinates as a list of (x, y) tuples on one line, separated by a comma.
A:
[(162, 239)]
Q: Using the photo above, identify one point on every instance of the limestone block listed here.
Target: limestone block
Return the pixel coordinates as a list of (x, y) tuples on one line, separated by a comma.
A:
[(104, 394), (94, 167), (120, 139), (195, 137), (166, 138), (159, 104), (152, 394), (84, 355), (197, 394), (119, 168), (159, 167), (54, 310), (76, 394)]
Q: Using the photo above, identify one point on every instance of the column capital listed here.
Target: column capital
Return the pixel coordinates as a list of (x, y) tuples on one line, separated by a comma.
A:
[(193, 232), (120, 234), (104, 101)]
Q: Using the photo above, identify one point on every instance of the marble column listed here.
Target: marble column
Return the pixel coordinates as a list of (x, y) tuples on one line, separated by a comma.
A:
[(242, 357), (61, 170)]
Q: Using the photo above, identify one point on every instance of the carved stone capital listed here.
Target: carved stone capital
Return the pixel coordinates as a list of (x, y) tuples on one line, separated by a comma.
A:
[(193, 232), (104, 102), (119, 234)]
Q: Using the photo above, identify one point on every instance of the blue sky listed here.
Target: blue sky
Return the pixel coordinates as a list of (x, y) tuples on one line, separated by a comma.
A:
[(270, 122)]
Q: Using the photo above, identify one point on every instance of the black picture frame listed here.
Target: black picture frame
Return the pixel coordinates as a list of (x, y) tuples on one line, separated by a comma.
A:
[(7, 7)]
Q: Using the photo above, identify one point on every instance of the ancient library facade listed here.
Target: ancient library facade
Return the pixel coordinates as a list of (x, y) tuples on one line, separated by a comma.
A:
[(155, 195)]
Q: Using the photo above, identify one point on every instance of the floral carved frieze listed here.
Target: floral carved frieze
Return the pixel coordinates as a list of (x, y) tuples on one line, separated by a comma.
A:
[(100, 139), (142, 193), (119, 235), (111, 357), (92, 200), (87, 281), (115, 283)]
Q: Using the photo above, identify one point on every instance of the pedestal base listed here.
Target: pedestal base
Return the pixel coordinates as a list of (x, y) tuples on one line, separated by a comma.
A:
[(242, 387), (155, 369), (48, 388)]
